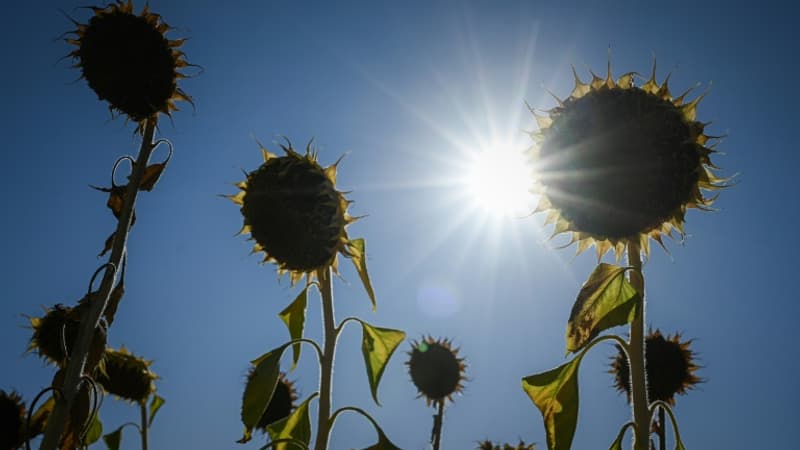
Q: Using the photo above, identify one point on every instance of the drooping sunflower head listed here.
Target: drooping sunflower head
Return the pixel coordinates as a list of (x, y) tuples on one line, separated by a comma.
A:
[(436, 370), (127, 376), (128, 61), (489, 445), (670, 366), (620, 163), (294, 213), (12, 418), (282, 403), (57, 330)]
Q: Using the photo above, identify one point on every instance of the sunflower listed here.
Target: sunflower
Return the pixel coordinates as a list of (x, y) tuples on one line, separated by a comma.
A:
[(488, 445), (620, 163), (128, 61), (436, 370), (281, 404), (670, 366), (294, 213), (12, 418), (57, 330), (127, 376)]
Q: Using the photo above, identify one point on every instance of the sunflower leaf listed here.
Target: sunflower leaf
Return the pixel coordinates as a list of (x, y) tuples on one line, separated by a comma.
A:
[(155, 404), (359, 256), (113, 439), (607, 299), (94, 432), (378, 344), (555, 393), (259, 389), (295, 426), (294, 316), (150, 177)]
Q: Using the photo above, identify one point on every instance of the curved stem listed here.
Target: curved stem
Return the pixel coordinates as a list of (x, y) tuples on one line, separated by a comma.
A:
[(436, 433), (30, 413), (662, 430), (313, 344), (143, 428), (324, 421), (636, 355), (664, 406), (91, 317), (349, 319), (356, 410)]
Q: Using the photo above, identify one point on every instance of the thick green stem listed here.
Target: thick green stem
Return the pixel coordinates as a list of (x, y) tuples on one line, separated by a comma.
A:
[(326, 372), (636, 356), (143, 428), (91, 318)]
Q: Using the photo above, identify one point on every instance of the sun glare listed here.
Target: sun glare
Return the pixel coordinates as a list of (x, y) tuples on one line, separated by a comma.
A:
[(498, 180)]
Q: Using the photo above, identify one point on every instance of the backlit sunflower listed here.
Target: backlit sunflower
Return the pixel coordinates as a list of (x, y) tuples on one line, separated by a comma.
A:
[(488, 445), (12, 420), (128, 61), (57, 330), (294, 213), (436, 370), (670, 366), (127, 376), (620, 163)]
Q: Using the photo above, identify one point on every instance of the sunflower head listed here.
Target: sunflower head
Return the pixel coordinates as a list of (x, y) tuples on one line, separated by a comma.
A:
[(436, 370), (488, 445), (127, 376), (620, 163), (282, 402), (670, 366), (128, 61), (12, 416), (294, 213), (58, 329)]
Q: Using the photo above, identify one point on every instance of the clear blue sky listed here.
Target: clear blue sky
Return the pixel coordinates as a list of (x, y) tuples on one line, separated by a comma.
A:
[(406, 89)]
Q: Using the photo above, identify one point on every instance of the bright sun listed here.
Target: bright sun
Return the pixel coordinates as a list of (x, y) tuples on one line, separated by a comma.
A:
[(498, 179)]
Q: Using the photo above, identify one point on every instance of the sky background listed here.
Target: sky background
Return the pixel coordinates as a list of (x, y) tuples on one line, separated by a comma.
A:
[(408, 91)]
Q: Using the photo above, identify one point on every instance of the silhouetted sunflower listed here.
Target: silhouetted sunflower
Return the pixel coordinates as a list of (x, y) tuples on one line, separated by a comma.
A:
[(281, 404), (57, 329), (488, 445), (293, 211), (619, 163), (127, 376), (436, 369), (670, 366), (128, 61), (12, 420)]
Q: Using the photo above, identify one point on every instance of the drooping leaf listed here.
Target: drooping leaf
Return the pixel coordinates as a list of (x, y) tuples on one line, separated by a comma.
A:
[(607, 299), (94, 432), (39, 418), (150, 177), (108, 244), (555, 393), (259, 389), (294, 316), (359, 256), (617, 444), (377, 345), (155, 404), (114, 299), (113, 439), (297, 426)]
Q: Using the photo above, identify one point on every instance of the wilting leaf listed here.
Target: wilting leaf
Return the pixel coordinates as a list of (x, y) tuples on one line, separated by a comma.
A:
[(617, 444), (359, 256), (39, 418), (607, 299), (378, 344), (113, 439), (555, 393), (294, 316), (114, 299), (296, 425), (94, 432), (108, 244), (155, 404), (150, 177), (259, 389)]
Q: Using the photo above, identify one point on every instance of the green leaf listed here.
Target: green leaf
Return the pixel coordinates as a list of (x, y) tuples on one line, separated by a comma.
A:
[(113, 439), (94, 432), (383, 442), (607, 299), (155, 404), (617, 444), (358, 253), (378, 344), (295, 426), (555, 393), (294, 316), (259, 389)]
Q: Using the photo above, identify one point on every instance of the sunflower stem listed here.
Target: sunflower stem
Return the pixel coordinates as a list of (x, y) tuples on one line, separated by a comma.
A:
[(91, 318), (662, 429), (326, 362), (636, 356), (143, 428), (438, 419)]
